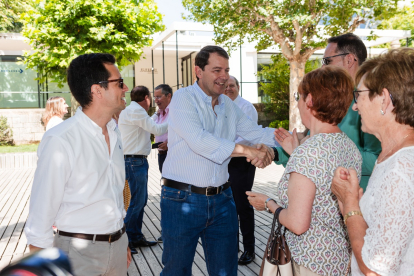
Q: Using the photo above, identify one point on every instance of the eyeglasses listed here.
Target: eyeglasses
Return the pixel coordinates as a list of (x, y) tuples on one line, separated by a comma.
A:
[(297, 96), (356, 93), (326, 61), (157, 97), (120, 82)]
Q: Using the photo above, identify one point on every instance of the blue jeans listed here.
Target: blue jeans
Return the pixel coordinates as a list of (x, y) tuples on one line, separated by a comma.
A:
[(186, 216), (136, 170)]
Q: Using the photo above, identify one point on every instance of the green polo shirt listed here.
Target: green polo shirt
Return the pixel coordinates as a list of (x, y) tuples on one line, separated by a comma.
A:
[(369, 146)]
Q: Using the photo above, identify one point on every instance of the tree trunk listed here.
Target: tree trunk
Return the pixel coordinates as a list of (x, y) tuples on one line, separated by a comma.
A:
[(297, 71), (74, 105)]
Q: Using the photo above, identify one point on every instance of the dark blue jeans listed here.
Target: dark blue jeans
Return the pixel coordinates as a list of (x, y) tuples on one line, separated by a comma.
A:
[(186, 217), (136, 170), (161, 160)]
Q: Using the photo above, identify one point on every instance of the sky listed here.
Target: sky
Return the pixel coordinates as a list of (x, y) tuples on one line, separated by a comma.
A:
[(172, 10)]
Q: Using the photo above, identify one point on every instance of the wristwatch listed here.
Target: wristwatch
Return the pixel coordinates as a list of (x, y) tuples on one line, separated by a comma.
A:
[(267, 208)]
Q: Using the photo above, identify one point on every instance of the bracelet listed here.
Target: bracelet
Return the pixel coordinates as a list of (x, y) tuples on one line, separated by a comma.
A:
[(267, 208), (352, 213)]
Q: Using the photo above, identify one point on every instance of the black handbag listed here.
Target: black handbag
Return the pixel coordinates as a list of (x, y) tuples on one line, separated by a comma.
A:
[(277, 257)]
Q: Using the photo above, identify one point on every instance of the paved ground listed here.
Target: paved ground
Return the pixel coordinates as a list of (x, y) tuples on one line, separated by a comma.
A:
[(15, 187)]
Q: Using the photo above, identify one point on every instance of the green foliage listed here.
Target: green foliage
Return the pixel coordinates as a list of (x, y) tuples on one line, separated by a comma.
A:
[(276, 85), (6, 133), (10, 11), (61, 30), (298, 27), (19, 148), (278, 123), (403, 20)]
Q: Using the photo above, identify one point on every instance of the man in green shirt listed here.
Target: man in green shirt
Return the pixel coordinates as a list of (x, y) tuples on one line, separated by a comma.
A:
[(348, 52)]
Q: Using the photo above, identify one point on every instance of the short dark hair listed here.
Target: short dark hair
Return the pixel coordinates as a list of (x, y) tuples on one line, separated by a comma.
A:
[(201, 59), (395, 71), (350, 43), (138, 93), (236, 80), (165, 89), (85, 71), (331, 89)]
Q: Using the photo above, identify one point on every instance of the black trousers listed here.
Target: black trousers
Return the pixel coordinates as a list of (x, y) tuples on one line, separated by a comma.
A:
[(241, 178), (161, 159)]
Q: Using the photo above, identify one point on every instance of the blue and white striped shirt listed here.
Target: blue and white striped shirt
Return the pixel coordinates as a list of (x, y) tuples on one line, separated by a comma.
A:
[(200, 143)]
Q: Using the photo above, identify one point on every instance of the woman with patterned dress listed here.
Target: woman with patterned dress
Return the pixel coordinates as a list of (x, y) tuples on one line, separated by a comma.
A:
[(380, 222), (315, 232)]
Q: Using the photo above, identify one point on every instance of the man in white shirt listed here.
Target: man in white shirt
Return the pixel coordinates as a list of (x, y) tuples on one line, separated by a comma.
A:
[(80, 175), (242, 177), (196, 201), (136, 127)]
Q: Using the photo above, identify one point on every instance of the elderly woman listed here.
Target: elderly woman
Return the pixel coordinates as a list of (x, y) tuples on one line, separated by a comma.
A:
[(56, 108), (381, 222), (315, 234)]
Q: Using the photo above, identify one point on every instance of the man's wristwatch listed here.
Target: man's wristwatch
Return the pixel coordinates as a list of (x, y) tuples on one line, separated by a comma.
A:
[(267, 208)]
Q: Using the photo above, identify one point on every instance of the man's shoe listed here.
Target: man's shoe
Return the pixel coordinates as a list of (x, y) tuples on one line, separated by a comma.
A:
[(132, 248), (159, 239), (143, 243), (246, 258)]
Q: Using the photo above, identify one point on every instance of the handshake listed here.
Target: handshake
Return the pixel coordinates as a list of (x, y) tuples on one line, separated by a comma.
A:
[(259, 155)]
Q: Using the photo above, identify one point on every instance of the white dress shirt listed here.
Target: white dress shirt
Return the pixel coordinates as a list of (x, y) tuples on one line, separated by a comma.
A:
[(251, 113), (78, 184), (136, 127), (200, 143), (54, 121)]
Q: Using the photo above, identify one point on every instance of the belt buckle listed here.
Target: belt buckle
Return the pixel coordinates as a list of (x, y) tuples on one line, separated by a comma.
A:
[(210, 188)]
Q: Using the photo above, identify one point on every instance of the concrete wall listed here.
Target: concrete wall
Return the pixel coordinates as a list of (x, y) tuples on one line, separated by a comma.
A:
[(25, 123)]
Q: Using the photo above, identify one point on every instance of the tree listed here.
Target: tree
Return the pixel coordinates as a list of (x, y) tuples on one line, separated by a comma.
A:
[(403, 20), (10, 11), (276, 84), (299, 28), (61, 30)]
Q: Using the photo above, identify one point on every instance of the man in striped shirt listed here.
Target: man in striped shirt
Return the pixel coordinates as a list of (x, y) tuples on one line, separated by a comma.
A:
[(195, 199)]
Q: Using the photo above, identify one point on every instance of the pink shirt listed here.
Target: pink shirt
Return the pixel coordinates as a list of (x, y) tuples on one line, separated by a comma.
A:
[(159, 119)]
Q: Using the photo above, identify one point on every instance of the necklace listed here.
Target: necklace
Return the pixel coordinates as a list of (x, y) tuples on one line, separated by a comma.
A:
[(402, 140)]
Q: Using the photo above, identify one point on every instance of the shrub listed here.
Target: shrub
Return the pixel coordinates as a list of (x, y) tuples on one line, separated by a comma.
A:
[(6, 133), (278, 123)]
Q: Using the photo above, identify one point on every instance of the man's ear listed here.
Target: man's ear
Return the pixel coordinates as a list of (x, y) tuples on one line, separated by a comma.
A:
[(96, 91), (198, 71)]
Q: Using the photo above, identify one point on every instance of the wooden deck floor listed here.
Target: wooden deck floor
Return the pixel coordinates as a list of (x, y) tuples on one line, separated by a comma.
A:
[(15, 188)]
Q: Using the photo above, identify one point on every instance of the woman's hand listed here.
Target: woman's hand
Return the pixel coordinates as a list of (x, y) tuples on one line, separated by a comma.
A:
[(289, 142), (345, 186), (257, 200)]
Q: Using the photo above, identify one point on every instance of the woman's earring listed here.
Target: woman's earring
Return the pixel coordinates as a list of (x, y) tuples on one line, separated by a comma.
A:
[(382, 112)]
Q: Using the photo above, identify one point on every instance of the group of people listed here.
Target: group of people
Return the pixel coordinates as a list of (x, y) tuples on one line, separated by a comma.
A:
[(338, 217)]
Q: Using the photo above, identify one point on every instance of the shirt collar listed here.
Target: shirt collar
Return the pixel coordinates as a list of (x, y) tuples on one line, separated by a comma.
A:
[(237, 100), (205, 97), (90, 125)]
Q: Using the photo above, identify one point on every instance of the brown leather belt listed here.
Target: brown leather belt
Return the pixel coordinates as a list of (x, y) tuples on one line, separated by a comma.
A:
[(134, 156), (106, 238), (208, 191)]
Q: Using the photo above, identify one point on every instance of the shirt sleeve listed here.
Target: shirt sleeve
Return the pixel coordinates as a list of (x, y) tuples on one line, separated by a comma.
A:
[(388, 239), (185, 122), (140, 117), (251, 113), (253, 133), (52, 173), (283, 157)]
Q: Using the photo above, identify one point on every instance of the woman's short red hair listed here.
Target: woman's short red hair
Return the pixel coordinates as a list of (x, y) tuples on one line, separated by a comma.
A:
[(331, 89)]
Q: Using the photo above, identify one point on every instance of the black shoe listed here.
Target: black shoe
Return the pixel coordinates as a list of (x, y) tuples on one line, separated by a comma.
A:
[(246, 258), (159, 239), (132, 248), (143, 243)]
